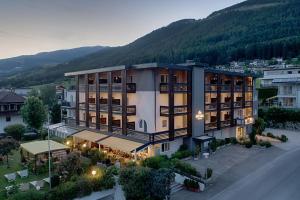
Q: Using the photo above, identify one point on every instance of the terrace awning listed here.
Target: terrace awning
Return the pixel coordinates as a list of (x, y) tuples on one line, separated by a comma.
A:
[(127, 146), (204, 138), (90, 136), (39, 147)]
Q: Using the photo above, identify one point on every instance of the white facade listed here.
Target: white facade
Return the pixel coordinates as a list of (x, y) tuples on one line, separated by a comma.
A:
[(287, 81)]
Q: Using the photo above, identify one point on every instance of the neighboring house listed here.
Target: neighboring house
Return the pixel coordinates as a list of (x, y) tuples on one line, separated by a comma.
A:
[(69, 103), (10, 105), (60, 93), (287, 81), (162, 106)]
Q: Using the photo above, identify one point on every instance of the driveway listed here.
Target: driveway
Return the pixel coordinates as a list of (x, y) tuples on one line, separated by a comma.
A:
[(224, 159), (293, 136), (230, 164)]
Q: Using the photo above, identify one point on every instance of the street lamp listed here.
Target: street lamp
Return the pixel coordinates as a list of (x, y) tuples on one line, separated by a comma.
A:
[(49, 151), (84, 145), (94, 172), (68, 143)]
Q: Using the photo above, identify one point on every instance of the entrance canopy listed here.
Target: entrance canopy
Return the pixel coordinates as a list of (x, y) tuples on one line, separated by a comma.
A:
[(39, 147), (203, 138), (90, 136), (121, 144)]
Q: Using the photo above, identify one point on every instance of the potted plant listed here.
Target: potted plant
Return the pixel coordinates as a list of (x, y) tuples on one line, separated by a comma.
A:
[(197, 152), (191, 185)]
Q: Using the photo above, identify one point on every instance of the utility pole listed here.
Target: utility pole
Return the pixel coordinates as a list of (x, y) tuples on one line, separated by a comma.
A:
[(49, 150)]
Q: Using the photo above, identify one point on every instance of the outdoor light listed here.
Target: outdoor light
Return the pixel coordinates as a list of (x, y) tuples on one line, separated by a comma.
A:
[(199, 115), (84, 145), (68, 143), (94, 172)]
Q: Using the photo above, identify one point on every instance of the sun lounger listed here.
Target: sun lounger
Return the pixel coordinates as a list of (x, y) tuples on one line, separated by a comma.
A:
[(47, 180), (24, 187), (10, 177), (23, 173)]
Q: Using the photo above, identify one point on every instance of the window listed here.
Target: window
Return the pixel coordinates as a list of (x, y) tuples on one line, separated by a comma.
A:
[(164, 78), (164, 123), (290, 72), (8, 118), (165, 147)]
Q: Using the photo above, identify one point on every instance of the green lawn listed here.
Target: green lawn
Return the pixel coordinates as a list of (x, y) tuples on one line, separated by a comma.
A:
[(14, 166)]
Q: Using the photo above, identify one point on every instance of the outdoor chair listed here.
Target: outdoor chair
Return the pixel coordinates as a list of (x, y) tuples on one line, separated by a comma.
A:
[(10, 177), (24, 187), (23, 173), (9, 189)]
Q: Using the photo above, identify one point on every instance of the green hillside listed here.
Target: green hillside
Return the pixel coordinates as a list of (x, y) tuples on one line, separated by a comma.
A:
[(252, 29)]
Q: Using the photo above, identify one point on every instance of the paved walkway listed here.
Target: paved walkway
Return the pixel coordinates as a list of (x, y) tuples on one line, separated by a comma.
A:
[(293, 136)]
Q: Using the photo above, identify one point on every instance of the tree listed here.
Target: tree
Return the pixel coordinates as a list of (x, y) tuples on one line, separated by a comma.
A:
[(6, 146), (145, 183), (34, 113), (70, 166), (16, 131), (55, 114), (48, 95), (34, 93)]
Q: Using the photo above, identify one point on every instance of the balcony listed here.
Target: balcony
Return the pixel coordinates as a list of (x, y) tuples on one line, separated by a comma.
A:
[(211, 87), (248, 104), (131, 110), (225, 88), (226, 123), (238, 104), (81, 106), (211, 126), (103, 88), (92, 88), (92, 107), (178, 87), (117, 109), (178, 110), (117, 87), (244, 121), (211, 106), (226, 105), (131, 87)]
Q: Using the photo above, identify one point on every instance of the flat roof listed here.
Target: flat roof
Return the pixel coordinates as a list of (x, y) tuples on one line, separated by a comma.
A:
[(38, 147), (90, 136), (121, 144)]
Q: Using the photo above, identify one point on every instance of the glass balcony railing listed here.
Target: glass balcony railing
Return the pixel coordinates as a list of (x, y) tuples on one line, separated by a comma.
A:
[(178, 87), (211, 106), (178, 110)]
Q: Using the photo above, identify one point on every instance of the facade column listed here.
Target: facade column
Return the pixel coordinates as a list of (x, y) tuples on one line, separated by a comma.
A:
[(219, 87), (124, 101), (232, 123), (87, 115), (171, 103), (189, 102), (109, 101), (77, 100), (97, 101)]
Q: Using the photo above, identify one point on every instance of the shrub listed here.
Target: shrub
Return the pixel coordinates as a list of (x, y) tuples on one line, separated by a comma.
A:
[(182, 154), (227, 140), (16, 131), (84, 187), (270, 135), (191, 184), (156, 162), (248, 144), (55, 180), (213, 145), (284, 138), (66, 191), (268, 144), (233, 140), (28, 195), (183, 147), (108, 181), (209, 173), (112, 170), (184, 167)]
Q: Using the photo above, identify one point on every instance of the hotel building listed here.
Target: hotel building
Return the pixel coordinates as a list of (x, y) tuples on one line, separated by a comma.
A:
[(154, 106)]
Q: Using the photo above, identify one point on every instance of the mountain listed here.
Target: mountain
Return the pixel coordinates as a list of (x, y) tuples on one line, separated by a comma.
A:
[(248, 30), (24, 63)]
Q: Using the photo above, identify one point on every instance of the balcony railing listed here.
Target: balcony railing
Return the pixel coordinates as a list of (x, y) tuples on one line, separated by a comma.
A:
[(244, 121), (92, 88), (117, 87), (117, 109), (225, 88), (92, 107), (211, 126), (225, 123), (226, 105), (131, 110), (103, 88), (238, 104), (82, 106), (211, 87), (211, 106), (178, 110), (178, 87), (248, 103), (131, 87)]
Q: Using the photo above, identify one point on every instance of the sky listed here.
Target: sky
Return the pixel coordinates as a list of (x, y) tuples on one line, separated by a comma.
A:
[(32, 26)]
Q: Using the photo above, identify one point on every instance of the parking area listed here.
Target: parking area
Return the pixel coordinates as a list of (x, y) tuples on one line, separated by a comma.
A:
[(293, 138), (224, 159)]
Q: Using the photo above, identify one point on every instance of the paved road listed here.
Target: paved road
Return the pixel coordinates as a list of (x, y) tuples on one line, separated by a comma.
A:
[(277, 180)]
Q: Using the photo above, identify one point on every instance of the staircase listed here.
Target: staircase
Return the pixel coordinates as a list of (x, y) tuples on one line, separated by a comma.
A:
[(175, 187)]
